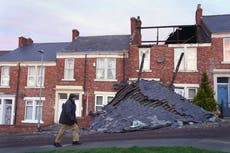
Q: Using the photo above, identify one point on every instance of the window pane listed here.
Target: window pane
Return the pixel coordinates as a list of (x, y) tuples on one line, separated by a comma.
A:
[(146, 63), (38, 112), (31, 76), (5, 76), (180, 91), (191, 93), (29, 103), (29, 112), (98, 108), (69, 68), (63, 96), (100, 74), (222, 80), (99, 100), (177, 54), (191, 59), (100, 63), (109, 99), (111, 74), (227, 43)]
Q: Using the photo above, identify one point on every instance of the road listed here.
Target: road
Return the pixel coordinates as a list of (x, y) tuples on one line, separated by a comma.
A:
[(214, 137)]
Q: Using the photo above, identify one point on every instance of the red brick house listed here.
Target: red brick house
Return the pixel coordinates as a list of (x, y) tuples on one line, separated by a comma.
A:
[(35, 84)]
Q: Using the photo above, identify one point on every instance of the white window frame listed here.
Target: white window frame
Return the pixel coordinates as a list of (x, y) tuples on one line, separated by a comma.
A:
[(184, 66), (226, 49), (146, 64), (186, 88), (104, 100), (105, 68), (5, 76), (69, 69), (37, 75), (34, 106)]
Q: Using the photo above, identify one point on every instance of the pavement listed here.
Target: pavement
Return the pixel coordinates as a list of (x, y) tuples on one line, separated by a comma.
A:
[(210, 137)]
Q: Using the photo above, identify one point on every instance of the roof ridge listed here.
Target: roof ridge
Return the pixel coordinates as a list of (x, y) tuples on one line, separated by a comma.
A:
[(106, 35), (215, 15)]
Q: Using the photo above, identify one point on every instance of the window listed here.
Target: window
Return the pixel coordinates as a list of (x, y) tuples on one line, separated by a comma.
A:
[(106, 68), (146, 64), (187, 92), (35, 76), (191, 93), (226, 49), (33, 108), (102, 100), (69, 69), (5, 76), (189, 60)]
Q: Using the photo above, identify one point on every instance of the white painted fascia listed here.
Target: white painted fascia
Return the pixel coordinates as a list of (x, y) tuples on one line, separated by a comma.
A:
[(220, 35), (29, 63), (189, 45), (93, 55)]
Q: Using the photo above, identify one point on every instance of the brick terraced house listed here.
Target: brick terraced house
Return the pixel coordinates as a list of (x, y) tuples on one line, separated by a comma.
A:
[(95, 67)]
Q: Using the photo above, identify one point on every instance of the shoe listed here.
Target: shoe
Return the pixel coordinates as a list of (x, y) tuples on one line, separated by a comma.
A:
[(56, 144), (76, 143)]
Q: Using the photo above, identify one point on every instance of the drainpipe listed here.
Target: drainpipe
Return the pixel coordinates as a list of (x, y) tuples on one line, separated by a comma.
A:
[(84, 88), (123, 66), (17, 92)]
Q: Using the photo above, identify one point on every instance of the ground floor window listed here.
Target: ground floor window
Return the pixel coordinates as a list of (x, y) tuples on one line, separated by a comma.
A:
[(187, 90), (102, 100), (33, 109), (6, 109)]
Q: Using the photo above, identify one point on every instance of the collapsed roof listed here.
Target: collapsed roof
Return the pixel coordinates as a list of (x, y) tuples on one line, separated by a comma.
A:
[(150, 104)]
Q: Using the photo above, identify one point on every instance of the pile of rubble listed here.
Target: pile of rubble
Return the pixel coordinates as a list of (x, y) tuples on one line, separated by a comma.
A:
[(148, 104)]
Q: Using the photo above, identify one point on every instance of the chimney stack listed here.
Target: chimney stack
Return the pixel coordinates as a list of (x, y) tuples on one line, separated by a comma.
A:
[(22, 41), (135, 31), (75, 34), (198, 14)]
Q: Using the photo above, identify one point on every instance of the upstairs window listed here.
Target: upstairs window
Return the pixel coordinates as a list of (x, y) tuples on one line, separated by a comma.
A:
[(106, 68), (146, 64), (69, 69), (226, 49), (5, 76), (189, 60), (35, 76)]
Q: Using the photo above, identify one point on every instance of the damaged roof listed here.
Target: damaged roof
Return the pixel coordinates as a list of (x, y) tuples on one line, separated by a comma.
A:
[(30, 52), (217, 23), (100, 43), (150, 103)]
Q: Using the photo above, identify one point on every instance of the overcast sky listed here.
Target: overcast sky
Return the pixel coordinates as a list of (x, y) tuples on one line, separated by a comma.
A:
[(53, 20)]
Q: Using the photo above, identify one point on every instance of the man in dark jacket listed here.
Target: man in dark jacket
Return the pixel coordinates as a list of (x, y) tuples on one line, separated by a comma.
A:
[(68, 121)]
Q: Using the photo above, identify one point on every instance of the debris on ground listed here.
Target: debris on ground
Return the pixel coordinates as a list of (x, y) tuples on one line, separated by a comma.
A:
[(148, 105)]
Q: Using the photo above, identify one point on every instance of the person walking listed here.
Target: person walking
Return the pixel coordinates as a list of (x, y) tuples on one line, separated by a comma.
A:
[(68, 121)]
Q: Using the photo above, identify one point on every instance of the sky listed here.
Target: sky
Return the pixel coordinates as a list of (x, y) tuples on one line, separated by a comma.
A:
[(53, 20)]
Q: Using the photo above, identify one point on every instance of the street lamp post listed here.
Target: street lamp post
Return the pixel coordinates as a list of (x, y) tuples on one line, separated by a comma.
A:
[(40, 94)]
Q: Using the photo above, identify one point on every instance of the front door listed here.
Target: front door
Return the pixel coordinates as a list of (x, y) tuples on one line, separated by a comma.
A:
[(222, 93), (63, 97), (6, 110)]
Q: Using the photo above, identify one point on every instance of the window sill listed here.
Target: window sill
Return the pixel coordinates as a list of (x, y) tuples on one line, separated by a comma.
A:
[(108, 80), (34, 87), (187, 71), (68, 79), (31, 121), (225, 62), (4, 86)]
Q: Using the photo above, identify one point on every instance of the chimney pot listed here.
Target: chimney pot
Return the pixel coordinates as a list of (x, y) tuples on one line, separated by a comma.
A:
[(75, 34), (198, 14)]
